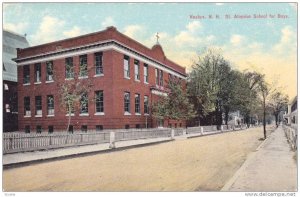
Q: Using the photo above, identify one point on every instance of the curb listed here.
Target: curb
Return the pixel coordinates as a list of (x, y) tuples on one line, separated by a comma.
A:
[(249, 158)]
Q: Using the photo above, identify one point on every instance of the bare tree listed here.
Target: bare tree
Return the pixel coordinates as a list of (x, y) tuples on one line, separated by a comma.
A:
[(73, 89)]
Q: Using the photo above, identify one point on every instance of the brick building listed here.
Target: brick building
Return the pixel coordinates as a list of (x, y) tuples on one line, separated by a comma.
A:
[(126, 76), (11, 41)]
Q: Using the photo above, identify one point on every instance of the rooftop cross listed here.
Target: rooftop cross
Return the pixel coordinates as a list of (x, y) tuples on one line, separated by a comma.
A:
[(157, 37)]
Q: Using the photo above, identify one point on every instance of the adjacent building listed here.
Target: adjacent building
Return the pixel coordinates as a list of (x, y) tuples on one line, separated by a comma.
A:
[(11, 41), (126, 78), (291, 116)]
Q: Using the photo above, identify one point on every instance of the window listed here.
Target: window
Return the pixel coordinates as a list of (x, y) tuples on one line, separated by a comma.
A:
[(99, 101), (6, 86), (175, 125), (27, 111), (127, 126), (98, 64), (38, 129), (38, 105), (83, 66), (37, 72), (145, 73), (126, 67), (99, 127), (127, 102), (50, 104), (156, 77), (69, 68), (50, 129), (146, 105), (26, 74), (136, 70), (7, 108), (84, 104), (180, 125), (71, 129), (27, 129), (137, 104), (161, 78), (49, 70), (84, 128), (137, 126)]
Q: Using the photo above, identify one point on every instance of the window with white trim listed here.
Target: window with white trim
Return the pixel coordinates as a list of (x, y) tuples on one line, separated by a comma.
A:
[(146, 105), (38, 105), (26, 74), (127, 102), (136, 70), (83, 66), (146, 73), (69, 68), (137, 103), (50, 104), (99, 101), (98, 63), (37, 72), (27, 111), (49, 71), (126, 67)]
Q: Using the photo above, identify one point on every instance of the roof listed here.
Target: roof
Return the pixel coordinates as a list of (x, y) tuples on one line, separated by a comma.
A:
[(11, 41), (110, 34)]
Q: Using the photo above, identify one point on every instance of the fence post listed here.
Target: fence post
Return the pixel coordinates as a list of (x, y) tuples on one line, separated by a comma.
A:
[(112, 140), (201, 130), (172, 134)]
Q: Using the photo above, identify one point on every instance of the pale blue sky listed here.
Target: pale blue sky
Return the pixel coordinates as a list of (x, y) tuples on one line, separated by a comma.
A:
[(268, 45)]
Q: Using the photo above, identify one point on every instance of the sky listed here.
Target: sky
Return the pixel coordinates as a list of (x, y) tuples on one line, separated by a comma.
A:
[(267, 44)]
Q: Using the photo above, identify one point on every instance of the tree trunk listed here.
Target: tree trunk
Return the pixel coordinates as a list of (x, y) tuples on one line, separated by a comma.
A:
[(69, 120), (264, 118), (276, 119)]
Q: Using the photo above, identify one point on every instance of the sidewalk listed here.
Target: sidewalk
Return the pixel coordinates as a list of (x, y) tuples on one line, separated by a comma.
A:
[(19, 159), (271, 168)]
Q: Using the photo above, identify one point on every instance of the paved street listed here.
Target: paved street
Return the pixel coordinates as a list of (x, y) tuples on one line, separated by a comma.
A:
[(197, 164), (271, 168)]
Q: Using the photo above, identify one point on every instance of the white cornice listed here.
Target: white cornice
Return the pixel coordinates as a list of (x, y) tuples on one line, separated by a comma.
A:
[(95, 47)]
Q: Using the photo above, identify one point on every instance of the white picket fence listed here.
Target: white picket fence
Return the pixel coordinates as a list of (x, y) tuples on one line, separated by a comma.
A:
[(21, 142), (291, 134)]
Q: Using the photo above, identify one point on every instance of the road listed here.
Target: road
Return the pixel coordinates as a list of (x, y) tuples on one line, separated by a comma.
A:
[(197, 164)]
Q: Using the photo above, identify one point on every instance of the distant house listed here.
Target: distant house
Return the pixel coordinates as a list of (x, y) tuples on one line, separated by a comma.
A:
[(292, 114), (235, 118), (11, 41)]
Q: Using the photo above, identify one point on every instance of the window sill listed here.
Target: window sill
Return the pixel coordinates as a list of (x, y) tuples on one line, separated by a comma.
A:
[(146, 114), (99, 75), (137, 114), (38, 82), (99, 114), (68, 79), (49, 81), (85, 114), (50, 115), (70, 114), (127, 114), (83, 77), (126, 77), (26, 84), (145, 82), (27, 116), (137, 80), (38, 116)]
